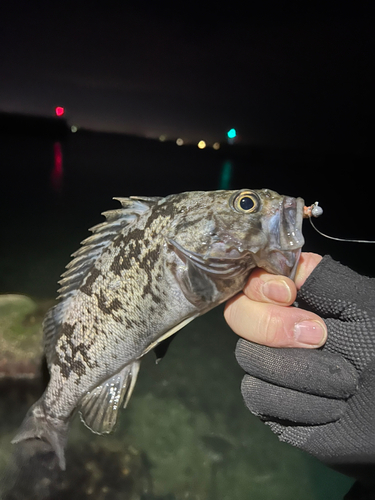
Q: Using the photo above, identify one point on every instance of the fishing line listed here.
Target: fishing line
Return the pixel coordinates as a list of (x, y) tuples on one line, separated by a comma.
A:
[(315, 211)]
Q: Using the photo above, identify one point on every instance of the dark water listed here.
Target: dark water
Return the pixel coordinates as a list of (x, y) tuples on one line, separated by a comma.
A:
[(186, 433), (45, 213)]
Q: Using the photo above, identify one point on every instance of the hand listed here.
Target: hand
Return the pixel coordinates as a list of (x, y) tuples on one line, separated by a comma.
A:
[(321, 400), (259, 314)]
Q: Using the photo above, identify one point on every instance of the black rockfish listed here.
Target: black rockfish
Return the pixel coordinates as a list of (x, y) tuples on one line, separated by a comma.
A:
[(152, 267)]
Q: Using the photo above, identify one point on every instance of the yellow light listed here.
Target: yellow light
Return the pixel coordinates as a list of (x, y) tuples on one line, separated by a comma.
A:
[(216, 145), (201, 144), (179, 142), (162, 138)]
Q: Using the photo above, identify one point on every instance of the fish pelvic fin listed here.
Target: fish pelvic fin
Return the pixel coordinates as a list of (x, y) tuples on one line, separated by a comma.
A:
[(51, 431), (99, 408)]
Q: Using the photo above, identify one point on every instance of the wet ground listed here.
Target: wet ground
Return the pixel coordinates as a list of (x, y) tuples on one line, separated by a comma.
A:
[(186, 433)]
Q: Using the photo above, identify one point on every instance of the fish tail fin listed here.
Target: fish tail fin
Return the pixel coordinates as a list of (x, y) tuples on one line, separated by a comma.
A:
[(46, 434)]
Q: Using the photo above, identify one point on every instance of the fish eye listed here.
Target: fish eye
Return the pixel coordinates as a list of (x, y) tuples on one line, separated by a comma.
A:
[(246, 202)]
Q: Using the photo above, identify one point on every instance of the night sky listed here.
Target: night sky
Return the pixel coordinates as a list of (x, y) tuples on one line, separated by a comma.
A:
[(300, 74)]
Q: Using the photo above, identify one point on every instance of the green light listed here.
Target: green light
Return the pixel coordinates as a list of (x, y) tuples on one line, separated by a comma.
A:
[(231, 133), (225, 175)]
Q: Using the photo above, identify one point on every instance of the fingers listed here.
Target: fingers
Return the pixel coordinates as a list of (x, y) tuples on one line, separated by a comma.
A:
[(265, 287), (307, 263), (274, 325), (311, 371), (272, 401), (261, 313)]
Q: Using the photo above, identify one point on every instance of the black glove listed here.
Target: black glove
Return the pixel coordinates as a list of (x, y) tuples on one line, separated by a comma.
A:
[(323, 400)]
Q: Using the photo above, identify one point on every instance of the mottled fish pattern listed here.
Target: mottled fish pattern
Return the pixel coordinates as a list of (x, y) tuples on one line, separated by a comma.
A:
[(154, 265)]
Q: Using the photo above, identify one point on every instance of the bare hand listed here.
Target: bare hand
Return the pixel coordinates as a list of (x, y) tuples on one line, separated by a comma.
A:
[(262, 312)]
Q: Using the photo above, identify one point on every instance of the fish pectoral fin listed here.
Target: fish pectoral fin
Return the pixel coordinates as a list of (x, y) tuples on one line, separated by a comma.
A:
[(167, 334), (99, 408), (161, 349)]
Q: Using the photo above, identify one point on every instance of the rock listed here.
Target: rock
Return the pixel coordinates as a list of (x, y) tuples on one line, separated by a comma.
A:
[(21, 348)]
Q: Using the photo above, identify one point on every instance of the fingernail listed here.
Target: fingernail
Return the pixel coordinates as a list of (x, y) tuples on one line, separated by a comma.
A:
[(309, 332), (277, 291)]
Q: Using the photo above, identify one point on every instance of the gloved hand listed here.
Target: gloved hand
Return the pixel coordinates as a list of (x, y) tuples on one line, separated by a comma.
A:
[(323, 401)]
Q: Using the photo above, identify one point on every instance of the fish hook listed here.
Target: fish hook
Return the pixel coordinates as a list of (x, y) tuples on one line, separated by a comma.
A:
[(315, 210)]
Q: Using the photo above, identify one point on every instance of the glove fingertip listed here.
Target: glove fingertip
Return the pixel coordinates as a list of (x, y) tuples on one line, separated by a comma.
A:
[(273, 402)]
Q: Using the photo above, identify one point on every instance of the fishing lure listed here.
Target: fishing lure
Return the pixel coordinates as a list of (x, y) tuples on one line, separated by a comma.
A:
[(315, 210)]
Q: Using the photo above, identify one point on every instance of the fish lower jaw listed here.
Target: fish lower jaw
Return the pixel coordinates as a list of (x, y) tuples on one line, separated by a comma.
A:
[(280, 261)]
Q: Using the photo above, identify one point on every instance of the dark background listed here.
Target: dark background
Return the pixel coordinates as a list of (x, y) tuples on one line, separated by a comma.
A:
[(287, 74)]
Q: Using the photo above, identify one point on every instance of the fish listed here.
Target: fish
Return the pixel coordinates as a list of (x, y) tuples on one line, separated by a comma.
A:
[(154, 265)]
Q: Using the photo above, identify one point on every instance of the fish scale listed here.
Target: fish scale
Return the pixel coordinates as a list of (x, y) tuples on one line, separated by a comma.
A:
[(151, 268)]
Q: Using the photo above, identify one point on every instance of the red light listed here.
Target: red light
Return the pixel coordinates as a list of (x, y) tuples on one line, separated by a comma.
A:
[(59, 111), (57, 172), (57, 153)]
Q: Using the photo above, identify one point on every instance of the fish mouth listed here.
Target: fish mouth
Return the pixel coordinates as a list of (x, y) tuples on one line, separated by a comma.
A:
[(284, 228), (291, 219)]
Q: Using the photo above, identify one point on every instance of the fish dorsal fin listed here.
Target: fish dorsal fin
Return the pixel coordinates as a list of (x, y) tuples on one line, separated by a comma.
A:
[(99, 408), (102, 236), (149, 200), (84, 258), (51, 327)]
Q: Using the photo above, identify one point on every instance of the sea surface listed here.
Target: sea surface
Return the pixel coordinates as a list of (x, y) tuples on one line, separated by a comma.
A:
[(186, 433)]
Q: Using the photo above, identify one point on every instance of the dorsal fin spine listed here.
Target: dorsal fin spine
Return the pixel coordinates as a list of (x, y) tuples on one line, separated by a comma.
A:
[(85, 257)]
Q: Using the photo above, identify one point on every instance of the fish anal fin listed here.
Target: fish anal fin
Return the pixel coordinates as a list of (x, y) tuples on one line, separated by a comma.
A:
[(99, 408)]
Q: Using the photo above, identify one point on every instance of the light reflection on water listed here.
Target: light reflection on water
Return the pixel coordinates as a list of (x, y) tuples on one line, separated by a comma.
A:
[(57, 173)]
